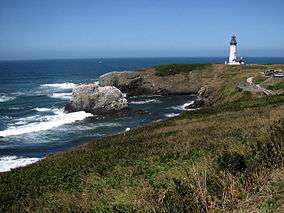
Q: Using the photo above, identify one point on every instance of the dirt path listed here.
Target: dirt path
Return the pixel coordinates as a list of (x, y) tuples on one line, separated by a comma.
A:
[(250, 86)]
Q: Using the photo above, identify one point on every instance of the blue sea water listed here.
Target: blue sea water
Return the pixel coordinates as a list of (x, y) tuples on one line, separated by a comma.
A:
[(33, 94)]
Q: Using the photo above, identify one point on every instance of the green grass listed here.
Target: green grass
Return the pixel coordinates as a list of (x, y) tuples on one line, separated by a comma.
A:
[(172, 69), (276, 86), (168, 164), (225, 157), (269, 205), (238, 105), (259, 79)]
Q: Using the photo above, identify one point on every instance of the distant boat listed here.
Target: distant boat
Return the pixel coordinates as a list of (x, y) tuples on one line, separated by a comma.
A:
[(100, 61)]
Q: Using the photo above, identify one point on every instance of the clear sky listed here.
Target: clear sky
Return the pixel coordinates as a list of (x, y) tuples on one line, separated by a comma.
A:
[(32, 29)]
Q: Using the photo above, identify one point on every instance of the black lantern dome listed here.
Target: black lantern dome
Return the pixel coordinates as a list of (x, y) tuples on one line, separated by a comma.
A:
[(233, 40)]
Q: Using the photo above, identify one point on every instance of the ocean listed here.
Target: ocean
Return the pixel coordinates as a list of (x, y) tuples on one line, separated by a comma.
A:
[(33, 94)]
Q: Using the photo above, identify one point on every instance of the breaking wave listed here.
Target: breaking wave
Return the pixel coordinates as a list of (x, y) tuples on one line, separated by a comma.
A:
[(10, 162), (42, 109), (41, 123), (66, 85), (170, 115), (146, 101), (4, 98), (182, 107), (63, 96)]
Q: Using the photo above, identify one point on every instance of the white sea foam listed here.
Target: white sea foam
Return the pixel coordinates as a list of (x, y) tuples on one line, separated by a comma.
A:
[(14, 108), (20, 122), (66, 85), (39, 118), (182, 107), (45, 122), (146, 96), (30, 118), (170, 115), (146, 101), (10, 162), (42, 109), (63, 96), (4, 98)]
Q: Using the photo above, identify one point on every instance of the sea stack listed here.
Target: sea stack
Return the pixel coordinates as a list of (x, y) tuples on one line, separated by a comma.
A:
[(96, 100)]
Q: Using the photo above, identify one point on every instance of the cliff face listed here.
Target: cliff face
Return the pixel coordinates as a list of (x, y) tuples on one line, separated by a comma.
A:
[(204, 81), (146, 82)]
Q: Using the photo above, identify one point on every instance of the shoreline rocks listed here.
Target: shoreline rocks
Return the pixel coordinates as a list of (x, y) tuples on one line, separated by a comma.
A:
[(96, 99), (108, 97)]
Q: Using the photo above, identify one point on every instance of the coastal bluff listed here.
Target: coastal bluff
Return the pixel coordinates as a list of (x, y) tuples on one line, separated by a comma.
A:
[(232, 150), (145, 82), (107, 97), (149, 81)]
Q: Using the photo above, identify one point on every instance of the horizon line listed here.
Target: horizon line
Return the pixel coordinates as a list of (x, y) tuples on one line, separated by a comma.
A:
[(128, 57)]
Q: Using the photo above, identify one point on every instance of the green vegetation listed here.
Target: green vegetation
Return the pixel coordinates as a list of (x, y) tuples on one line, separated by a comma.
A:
[(276, 86), (225, 157), (171, 69), (269, 205), (259, 79)]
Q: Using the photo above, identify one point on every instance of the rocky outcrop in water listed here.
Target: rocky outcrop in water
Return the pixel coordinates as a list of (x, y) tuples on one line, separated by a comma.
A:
[(96, 99)]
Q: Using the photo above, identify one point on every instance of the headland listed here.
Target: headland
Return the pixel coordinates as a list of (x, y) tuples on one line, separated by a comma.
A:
[(227, 155)]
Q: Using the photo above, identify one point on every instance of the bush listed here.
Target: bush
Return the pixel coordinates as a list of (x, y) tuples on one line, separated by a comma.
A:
[(232, 162)]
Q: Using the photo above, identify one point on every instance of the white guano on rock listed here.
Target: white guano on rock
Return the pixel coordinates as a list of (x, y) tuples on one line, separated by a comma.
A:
[(97, 100)]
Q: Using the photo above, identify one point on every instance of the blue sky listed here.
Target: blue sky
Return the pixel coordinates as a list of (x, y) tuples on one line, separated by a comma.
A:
[(139, 28)]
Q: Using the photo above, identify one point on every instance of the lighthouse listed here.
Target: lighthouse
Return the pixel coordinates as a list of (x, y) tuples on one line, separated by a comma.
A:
[(233, 57)]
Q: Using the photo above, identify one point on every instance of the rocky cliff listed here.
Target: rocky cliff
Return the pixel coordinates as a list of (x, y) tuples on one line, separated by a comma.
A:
[(146, 82)]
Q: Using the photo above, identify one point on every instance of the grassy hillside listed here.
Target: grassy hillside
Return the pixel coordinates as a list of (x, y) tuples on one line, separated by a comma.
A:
[(171, 69), (228, 156)]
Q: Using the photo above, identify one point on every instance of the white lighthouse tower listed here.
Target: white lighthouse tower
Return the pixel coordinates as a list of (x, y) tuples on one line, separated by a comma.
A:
[(233, 58)]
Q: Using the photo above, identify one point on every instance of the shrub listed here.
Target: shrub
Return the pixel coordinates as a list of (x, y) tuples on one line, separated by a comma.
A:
[(232, 162)]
